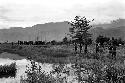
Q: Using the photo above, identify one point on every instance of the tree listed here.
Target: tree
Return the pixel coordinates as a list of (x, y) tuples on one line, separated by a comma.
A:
[(53, 42), (65, 40), (79, 31), (101, 39), (120, 41), (89, 41)]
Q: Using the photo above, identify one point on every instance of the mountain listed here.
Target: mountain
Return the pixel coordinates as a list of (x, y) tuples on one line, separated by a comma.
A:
[(109, 32), (113, 24), (57, 30), (48, 31), (115, 28)]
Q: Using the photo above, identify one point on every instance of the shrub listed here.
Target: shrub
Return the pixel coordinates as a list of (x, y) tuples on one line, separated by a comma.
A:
[(8, 70), (36, 75)]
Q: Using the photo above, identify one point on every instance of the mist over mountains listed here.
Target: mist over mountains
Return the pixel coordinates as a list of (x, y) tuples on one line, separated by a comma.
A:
[(58, 30), (115, 28)]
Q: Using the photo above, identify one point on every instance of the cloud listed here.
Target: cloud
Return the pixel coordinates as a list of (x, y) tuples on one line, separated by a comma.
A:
[(28, 12), (112, 9), (100, 11), (4, 15), (3, 11)]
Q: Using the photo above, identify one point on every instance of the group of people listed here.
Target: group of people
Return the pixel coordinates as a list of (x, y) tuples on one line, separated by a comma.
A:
[(111, 48)]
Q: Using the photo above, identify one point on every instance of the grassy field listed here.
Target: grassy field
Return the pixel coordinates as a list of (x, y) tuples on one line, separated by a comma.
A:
[(48, 54), (59, 53), (97, 62)]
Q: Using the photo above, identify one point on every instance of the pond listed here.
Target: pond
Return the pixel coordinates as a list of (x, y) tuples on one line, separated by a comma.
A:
[(21, 68)]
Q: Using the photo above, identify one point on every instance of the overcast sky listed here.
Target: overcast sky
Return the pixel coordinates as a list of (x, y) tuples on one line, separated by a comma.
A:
[(29, 12)]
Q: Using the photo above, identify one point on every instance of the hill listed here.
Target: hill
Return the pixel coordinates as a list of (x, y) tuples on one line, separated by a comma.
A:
[(48, 31), (115, 29), (57, 30)]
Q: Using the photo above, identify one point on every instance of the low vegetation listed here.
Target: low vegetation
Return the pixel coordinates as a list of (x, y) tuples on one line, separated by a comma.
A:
[(51, 54), (8, 70), (35, 74)]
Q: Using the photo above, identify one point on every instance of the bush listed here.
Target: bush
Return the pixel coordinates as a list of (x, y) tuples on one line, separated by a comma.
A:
[(36, 75), (8, 70)]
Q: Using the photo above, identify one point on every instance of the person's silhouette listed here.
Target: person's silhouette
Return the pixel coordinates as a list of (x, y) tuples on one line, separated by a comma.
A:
[(97, 48), (114, 52)]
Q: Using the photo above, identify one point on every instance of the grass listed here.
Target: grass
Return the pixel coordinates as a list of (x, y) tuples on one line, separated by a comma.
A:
[(39, 53), (57, 53), (97, 71)]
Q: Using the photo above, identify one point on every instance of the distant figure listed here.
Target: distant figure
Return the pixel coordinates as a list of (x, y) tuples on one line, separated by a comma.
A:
[(97, 48), (110, 50), (76, 47), (114, 52), (12, 43)]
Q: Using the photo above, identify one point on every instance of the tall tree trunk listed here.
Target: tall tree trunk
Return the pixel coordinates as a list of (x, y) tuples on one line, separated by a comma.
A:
[(85, 51)]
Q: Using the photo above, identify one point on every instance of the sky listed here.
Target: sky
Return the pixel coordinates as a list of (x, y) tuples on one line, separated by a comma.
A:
[(25, 13)]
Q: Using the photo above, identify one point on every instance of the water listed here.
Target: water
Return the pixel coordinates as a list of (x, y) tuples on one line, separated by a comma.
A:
[(21, 68)]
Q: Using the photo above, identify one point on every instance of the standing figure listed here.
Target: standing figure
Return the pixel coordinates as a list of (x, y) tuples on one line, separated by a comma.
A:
[(110, 50), (75, 47), (97, 48), (114, 52)]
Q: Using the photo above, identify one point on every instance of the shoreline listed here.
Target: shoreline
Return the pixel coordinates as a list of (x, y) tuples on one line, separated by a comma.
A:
[(12, 56)]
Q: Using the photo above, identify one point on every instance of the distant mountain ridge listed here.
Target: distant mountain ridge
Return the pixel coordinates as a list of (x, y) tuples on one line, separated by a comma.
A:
[(116, 29), (48, 31), (57, 31)]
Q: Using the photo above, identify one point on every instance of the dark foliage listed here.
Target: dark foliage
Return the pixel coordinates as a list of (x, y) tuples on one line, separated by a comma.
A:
[(79, 31), (8, 70)]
